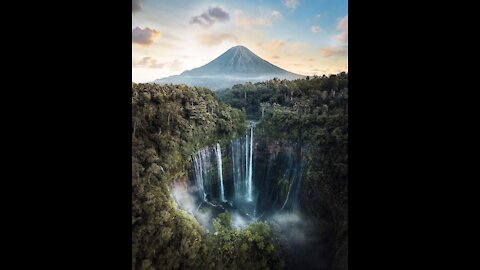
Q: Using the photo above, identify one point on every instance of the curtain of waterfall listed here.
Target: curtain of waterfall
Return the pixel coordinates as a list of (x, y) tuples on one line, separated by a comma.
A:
[(237, 163), (218, 151), (250, 170), (201, 172), (198, 170), (280, 175)]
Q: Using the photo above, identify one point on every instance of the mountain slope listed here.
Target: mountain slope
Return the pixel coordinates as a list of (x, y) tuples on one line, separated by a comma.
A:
[(236, 65)]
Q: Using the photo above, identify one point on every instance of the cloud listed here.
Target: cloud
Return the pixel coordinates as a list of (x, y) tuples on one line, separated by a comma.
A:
[(289, 50), (164, 44), (176, 65), (218, 13), (295, 48), (136, 6), (166, 35), (216, 39), (342, 25), (148, 62), (316, 29), (334, 51), (343, 37), (318, 16), (211, 16), (272, 45), (292, 4), (145, 36), (203, 20), (242, 19), (276, 14)]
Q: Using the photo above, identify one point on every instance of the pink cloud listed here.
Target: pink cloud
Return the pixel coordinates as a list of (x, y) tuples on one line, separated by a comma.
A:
[(144, 36), (316, 29), (334, 51), (343, 26)]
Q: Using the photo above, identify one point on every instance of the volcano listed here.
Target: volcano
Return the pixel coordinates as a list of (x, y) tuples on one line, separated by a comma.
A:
[(235, 66)]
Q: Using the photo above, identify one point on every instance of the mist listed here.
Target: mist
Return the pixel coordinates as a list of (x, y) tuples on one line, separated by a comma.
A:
[(290, 225), (256, 180), (185, 198)]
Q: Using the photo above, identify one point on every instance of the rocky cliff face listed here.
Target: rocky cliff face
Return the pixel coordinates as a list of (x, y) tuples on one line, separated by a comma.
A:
[(258, 177), (277, 170)]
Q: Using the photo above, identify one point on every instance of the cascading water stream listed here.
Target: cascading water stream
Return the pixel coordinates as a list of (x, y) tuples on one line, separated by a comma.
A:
[(198, 170), (250, 171), (252, 190), (253, 179), (245, 185), (237, 169), (218, 151)]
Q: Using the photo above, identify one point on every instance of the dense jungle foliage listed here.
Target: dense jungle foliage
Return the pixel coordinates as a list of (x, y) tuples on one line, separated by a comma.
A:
[(313, 111), (169, 123)]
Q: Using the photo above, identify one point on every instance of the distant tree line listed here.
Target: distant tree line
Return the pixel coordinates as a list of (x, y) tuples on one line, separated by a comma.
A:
[(297, 96)]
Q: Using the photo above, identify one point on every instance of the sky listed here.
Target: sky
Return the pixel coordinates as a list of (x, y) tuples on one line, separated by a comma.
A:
[(308, 37)]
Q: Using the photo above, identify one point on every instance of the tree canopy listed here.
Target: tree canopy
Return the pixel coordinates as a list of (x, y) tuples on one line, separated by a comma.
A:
[(169, 123), (312, 111)]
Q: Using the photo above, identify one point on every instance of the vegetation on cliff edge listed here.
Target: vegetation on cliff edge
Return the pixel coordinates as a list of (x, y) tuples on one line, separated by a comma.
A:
[(169, 123), (313, 111)]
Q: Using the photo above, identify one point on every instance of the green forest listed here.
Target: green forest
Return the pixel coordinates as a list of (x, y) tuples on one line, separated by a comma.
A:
[(171, 122), (314, 111)]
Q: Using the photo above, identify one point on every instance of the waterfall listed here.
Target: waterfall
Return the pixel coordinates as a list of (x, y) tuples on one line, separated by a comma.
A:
[(218, 151), (207, 172), (236, 163), (296, 176), (249, 182), (198, 171), (280, 172), (205, 164), (245, 183), (201, 167), (242, 166), (234, 169), (288, 193)]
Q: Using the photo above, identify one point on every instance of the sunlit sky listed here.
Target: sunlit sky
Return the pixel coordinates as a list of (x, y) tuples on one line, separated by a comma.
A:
[(302, 36)]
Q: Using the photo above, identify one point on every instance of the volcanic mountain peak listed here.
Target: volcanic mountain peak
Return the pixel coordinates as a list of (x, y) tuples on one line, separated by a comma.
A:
[(237, 65)]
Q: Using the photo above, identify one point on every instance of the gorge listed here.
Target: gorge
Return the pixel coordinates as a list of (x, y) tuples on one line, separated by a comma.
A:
[(253, 178), (212, 190)]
